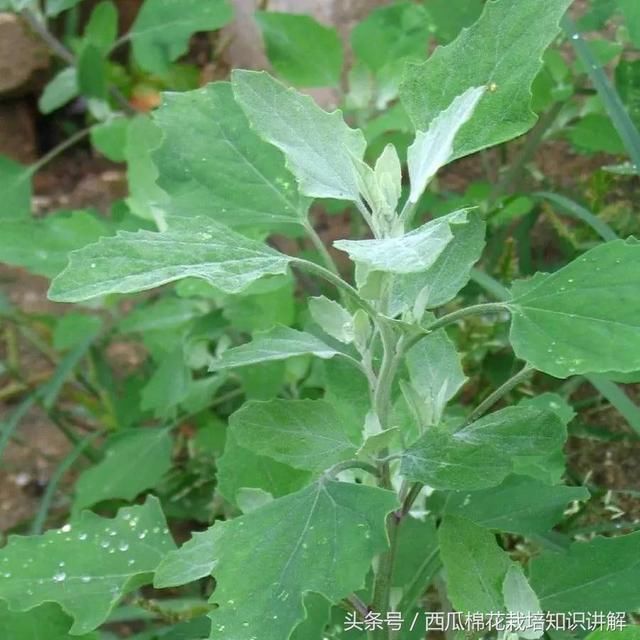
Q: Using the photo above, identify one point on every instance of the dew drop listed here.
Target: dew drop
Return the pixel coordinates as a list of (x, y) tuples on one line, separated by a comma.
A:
[(66, 528), (123, 546), (60, 577), (82, 536), (86, 579)]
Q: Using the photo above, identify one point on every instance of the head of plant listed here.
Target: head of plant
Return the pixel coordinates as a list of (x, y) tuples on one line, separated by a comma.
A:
[(332, 488)]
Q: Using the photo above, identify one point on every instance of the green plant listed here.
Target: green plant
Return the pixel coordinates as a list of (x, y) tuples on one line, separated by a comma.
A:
[(361, 483)]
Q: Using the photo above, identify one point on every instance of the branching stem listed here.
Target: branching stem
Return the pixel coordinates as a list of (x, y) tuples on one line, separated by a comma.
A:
[(58, 49), (333, 471), (499, 393)]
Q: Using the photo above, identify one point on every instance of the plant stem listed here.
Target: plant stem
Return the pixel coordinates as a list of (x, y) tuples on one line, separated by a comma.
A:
[(511, 178), (450, 318), (382, 405), (40, 29), (358, 605), (366, 215), (407, 213), (321, 248), (423, 577), (351, 464), (499, 393), (56, 151), (337, 281), (54, 481), (58, 49), (475, 310)]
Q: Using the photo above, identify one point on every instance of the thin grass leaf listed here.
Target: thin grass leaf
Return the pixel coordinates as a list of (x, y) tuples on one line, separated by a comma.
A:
[(579, 212), (52, 486), (50, 391), (612, 102), (9, 426), (618, 398), (490, 284)]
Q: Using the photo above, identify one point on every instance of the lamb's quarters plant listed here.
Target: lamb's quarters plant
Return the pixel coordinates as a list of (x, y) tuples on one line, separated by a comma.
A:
[(367, 486)]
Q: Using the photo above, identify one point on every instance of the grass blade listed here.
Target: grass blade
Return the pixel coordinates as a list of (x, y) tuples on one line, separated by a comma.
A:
[(52, 486), (612, 102), (579, 212), (618, 399)]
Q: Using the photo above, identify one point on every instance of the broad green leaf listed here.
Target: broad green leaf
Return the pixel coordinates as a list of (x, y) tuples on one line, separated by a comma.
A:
[(321, 151), (240, 468), (15, 185), (168, 385), (551, 402), (46, 622), (483, 453), (417, 556), (332, 318), (349, 394), (42, 245), (164, 314), (433, 148), (595, 133), (264, 305), (191, 247), (321, 539), (317, 612), (55, 7), (388, 174), (263, 380), (631, 12), (519, 505), (278, 343), (390, 34), (62, 88), (146, 199), (599, 575), (520, 598), (628, 633), (585, 317), (102, 27), (475, 566), (135, 460), (87, 566), (72, 329), (219, 167), (449, 273), (413, 252), (304, 434), (110, 138), (300, 49), (436, 375), (92, 72), (448, 17), (521, 30), (162, 29), (627, 76)]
